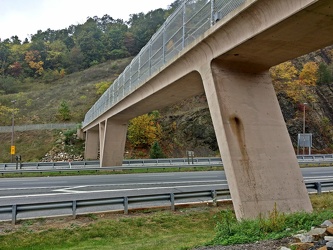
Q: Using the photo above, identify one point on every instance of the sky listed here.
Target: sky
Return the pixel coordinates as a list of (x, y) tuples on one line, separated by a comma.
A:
[(25, 17)]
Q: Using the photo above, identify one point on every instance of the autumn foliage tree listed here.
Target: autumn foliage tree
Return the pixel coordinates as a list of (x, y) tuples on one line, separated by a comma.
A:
[(296, 84), (79, 46), (144, 130), (32, 58), (309, 75)]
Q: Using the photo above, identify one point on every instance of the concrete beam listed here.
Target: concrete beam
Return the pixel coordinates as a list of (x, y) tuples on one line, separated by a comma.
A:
[(258, 157)]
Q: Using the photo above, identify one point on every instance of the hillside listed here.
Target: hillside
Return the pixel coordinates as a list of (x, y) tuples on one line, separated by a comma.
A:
[(39, 102), (185, 126)]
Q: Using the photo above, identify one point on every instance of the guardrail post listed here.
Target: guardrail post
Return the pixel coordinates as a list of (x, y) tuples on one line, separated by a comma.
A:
[(172, 200), (214, 197), (14, 213), (125, 205), (74, 209), (318, 187)]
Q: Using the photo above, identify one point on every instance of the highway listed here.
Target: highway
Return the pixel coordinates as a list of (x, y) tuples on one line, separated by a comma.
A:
[(46, 189)]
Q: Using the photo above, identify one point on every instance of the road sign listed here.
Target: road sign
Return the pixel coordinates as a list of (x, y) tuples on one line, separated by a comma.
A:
[(304, 141), (12, 150)]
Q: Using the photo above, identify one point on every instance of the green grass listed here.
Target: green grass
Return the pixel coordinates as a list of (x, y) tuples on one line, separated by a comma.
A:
[(31, 145), (183, 229), (158, 230), (230, 231)]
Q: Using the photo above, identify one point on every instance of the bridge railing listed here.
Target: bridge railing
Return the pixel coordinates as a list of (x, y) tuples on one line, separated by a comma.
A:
[(181, 28)]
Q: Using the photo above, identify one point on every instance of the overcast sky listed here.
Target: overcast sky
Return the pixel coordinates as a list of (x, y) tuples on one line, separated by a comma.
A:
[(25, 17)]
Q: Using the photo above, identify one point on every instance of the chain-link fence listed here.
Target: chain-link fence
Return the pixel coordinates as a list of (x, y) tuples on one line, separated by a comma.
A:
[(187, 23), (8, 129)]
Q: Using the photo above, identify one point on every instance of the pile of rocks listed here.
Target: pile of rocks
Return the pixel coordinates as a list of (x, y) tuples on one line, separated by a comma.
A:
[(61, 156), (318, 238), (58, 152)]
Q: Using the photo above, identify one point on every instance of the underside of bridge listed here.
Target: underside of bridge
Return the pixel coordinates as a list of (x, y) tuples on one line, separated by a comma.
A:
[(230, 63)]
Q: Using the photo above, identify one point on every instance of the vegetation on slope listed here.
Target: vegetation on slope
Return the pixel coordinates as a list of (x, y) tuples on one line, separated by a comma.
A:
[(58, 75)]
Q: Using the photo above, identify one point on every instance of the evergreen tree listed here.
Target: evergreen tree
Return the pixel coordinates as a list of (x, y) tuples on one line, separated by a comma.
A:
[(156, 151), (64, 111)]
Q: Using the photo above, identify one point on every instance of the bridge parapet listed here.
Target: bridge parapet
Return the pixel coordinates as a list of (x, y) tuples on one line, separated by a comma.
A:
[(180, 29)]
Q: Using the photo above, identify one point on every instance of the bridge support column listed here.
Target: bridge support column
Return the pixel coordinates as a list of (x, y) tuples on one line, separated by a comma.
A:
[(258, 157), (112, 142), (91, 147)]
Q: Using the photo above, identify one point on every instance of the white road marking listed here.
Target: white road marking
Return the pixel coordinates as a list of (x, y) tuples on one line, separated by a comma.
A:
[(30, 188), (67, 191), (119, 185)]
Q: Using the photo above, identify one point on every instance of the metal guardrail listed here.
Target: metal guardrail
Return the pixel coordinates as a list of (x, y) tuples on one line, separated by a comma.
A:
[(74, 205), (49, 165), (315, 157), (318, 186), (181, 28), (95, 165), (132, 164)]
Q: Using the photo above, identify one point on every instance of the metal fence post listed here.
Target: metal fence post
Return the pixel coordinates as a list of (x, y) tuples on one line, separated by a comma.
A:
[(126, 205), (172, 200), (74, 209), (318, 187), (14, 213), (214, 197)]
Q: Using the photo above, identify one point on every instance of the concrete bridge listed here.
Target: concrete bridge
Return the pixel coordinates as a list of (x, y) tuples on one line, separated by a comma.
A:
[(225, 50)]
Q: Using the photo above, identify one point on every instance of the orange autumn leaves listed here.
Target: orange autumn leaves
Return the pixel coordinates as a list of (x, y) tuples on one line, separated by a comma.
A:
[(296, 84)]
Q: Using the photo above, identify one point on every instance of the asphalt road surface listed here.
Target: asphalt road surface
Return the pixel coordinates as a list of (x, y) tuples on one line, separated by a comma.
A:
[(25, 190), (66, 188)]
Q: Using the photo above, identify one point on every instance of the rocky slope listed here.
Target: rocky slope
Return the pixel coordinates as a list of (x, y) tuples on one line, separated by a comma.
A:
[(188, 126)]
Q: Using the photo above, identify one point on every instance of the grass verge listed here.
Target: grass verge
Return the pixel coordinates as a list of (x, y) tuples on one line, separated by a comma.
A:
[(147, 230), (183, 229)]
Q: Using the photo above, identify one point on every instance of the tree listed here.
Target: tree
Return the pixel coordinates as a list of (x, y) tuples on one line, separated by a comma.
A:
[(64, 111), (15, 40), (89, 40), (4, 56), (283, 73), (156, 151), (324, 74), (143, 26), (32, 58), (74, 60), (144, 130), (15, 69), (309, 73), (56, 55)]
